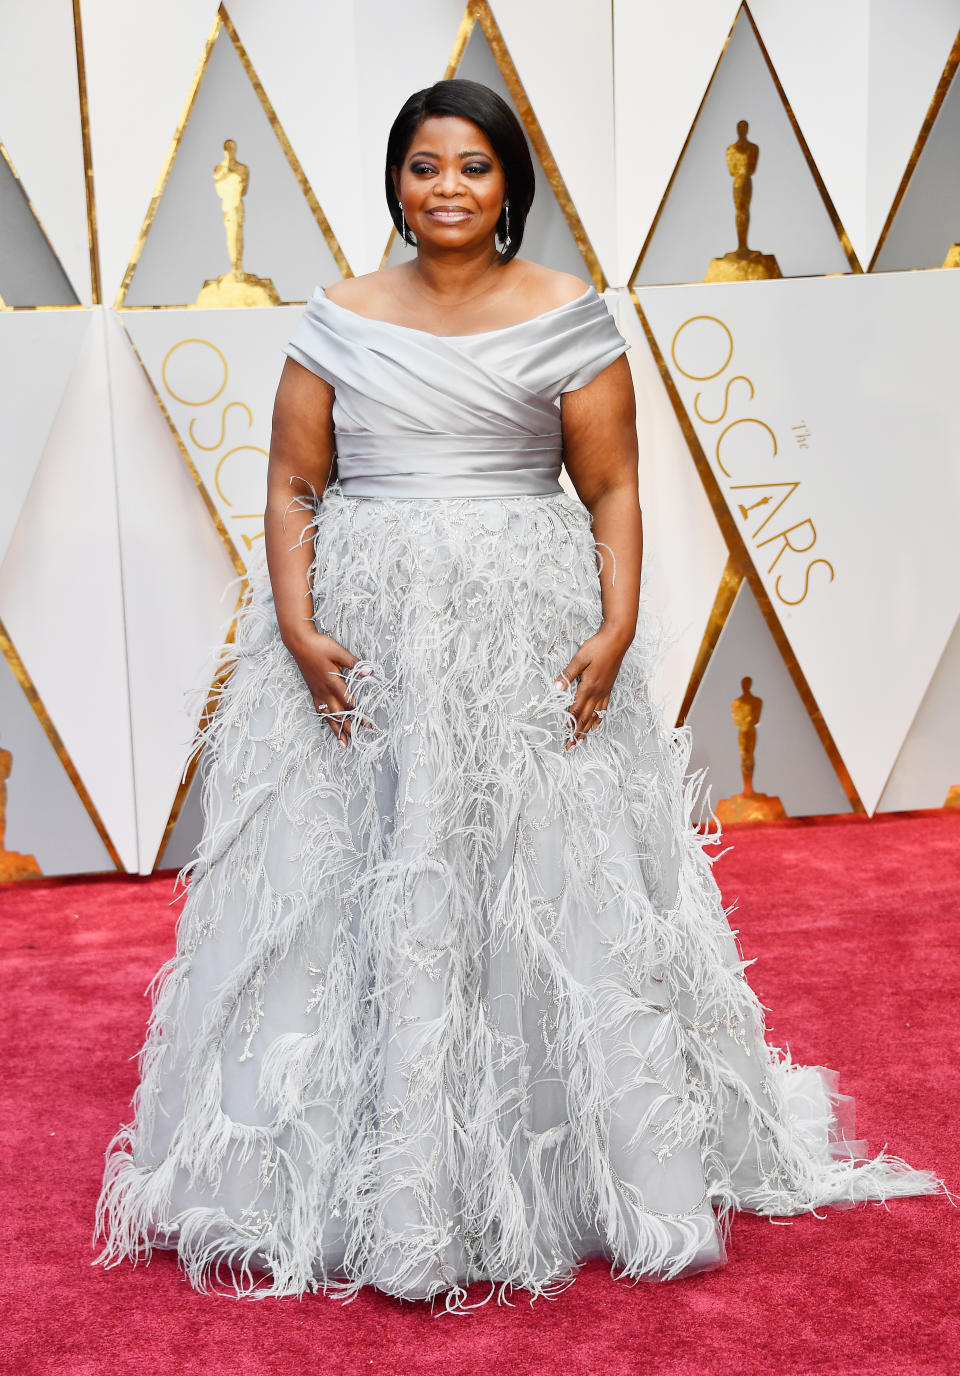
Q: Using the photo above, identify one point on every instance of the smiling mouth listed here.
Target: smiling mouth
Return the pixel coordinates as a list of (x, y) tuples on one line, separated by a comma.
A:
[(450, 214)]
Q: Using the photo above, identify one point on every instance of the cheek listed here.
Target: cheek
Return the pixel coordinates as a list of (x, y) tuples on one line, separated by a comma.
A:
[(492, 197)]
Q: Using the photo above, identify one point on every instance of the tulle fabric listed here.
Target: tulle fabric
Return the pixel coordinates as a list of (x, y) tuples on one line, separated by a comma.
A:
[(457, 1004)]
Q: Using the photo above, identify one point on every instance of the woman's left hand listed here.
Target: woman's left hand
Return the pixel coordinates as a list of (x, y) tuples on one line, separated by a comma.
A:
[(596, 664)]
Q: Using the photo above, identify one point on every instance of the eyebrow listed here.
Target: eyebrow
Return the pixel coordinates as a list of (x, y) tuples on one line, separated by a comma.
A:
[(470, 153)]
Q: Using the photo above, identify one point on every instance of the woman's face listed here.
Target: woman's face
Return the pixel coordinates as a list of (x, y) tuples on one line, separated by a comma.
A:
[(451, 184)]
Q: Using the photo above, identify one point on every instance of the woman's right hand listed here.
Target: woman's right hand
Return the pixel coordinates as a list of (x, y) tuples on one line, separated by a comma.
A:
[(322, 662)]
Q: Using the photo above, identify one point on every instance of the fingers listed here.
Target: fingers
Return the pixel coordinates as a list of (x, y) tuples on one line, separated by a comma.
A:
[(587, 717), (568, 674), (587, 712), (336, 703)]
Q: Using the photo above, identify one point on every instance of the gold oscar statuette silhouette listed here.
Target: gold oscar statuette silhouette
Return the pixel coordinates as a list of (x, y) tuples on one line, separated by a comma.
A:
[(748, 806), (12, 865), (953, 797), (236, 287), (742, 264)]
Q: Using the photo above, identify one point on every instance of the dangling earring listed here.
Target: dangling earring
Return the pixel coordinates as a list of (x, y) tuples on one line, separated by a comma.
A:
[(403, 223), (502, 248)]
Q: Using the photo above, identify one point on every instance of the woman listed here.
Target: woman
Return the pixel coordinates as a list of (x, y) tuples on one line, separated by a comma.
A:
[(455, 996)]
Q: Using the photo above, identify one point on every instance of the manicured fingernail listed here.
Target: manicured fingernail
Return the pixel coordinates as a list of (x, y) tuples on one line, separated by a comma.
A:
[(364, 671), (342, 742), (558, 683)]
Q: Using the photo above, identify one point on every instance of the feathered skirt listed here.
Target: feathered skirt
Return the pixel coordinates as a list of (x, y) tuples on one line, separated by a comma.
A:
[(457, 1004)]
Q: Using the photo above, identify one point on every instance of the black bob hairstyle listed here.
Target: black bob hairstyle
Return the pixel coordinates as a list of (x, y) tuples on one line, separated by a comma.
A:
[(483, 107)]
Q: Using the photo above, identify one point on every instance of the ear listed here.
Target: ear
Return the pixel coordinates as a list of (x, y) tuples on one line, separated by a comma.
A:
[(395, 174)]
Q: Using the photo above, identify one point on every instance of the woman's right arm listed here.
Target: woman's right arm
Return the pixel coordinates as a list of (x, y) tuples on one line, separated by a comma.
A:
[(301, 453)]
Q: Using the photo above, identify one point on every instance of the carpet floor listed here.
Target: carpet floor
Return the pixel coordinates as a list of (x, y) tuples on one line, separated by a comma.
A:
[(855, 928)]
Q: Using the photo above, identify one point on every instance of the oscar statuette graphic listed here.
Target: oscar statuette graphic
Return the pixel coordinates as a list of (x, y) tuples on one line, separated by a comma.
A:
[(748, 806), (953, 797), (236, 287), (742, 264), (12, 865)]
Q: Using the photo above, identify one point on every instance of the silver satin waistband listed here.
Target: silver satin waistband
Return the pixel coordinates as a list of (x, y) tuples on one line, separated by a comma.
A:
[(476, 465), (517, 482)]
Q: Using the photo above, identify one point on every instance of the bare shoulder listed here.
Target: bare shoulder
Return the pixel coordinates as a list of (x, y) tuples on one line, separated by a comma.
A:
[(546, 288), (359, 293)]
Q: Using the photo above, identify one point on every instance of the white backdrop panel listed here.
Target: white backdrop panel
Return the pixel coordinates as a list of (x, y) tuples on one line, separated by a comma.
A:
[(820, 53), (30, 271), (139, 72), (927, 221), (61, 594), (929, 763), (37, 354), (562, 50), (860, 568), (216, 373), (45, 817), (684, 553), (909, 46), (40, 125), (663, 58), (175, 577)]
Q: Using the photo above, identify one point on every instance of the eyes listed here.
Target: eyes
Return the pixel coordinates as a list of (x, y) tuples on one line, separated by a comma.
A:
[(426, 169)]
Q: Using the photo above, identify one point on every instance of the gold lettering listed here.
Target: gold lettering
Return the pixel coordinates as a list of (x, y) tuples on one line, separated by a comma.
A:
[(701, 377), (223, 425), (186, 401), (752, 487), (238, 449), (784, 535), (745, 420), (715, 420), (795, 602)]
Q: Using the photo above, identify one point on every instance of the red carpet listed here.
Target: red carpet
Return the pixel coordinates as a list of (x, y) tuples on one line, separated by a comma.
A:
[(855, 927)]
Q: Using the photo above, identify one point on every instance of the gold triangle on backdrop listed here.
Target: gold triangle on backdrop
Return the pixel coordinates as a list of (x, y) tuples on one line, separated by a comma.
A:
[(92, 238), (96, 294), (479, 12), (744, 15), (243, 288), (936, 104), (42, 237)]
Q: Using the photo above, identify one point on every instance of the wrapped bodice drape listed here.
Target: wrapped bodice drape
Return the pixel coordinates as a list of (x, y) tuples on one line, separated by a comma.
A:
[(424, 415)]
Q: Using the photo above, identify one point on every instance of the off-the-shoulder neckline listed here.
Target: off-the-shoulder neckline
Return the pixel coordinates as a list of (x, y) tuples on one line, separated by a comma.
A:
[(474, 334)]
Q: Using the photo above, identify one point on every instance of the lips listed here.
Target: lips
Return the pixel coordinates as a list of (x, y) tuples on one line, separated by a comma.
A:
[(449, 216)]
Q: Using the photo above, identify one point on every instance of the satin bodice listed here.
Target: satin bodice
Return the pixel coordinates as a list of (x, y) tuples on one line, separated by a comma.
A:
[(424, 415)]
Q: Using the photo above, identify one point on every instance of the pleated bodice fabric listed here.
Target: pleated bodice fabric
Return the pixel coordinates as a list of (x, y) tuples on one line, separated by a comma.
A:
[(424, 415)]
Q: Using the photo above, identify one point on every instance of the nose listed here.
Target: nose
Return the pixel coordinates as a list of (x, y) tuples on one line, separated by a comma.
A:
[(448, 181)]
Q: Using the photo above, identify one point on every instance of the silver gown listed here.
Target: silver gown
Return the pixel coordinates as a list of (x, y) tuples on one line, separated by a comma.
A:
[(457, 1004)]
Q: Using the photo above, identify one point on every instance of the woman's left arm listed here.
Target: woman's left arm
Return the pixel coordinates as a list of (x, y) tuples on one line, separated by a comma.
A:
[(600, 455)]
